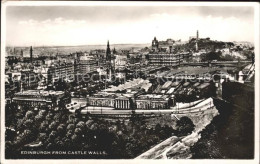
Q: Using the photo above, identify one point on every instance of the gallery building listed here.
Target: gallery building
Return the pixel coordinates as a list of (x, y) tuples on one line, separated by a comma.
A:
[(39, 98)]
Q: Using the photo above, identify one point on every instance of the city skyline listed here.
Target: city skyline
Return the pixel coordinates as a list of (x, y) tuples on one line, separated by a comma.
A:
[(129, 80), (94, 25)]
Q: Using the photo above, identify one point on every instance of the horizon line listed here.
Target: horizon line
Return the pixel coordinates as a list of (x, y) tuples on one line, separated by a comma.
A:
[(76, 45), (252, 42)]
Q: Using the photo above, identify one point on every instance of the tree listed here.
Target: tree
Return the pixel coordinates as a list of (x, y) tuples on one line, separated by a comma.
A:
[(28, 124), (11, 114), (24, 137), (20, 124), (80, 124), (42, 113), (61, 128), (42, 136), (94, 126), (74, 138), (69, 133), (29, 115), (53, 135), (70, 127), (57, 117), (157, 128), (78, 131), (38, 119), (53, 125), (60, 85), (184, 126), (44, 125), (49, 116), (211, 56), (227, 57)]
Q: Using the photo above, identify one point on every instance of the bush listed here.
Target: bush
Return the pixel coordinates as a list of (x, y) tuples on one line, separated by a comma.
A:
[(184, 126)]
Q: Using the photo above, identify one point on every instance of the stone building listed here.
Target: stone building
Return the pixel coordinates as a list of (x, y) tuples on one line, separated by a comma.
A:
[(154, 101), (39, 98), (61, 70)]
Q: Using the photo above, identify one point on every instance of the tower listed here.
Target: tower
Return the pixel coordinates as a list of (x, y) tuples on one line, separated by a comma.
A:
[(21, 54), (197, 39), (108, 52), (114, 50), (31, 53), (155, 44), (109, 62)]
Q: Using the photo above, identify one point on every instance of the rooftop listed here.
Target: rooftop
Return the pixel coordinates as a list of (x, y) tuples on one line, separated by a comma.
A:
[(176, 83), (153, 96), (113, 95), (38, 93), (186, 84), (166, 85), (204, 85), (171, 90), (196, 84), (134, 84)]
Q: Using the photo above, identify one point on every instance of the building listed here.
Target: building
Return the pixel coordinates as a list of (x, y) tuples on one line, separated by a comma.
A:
[(130, 96), (159, 45), (155, 44), (154, 101), (39, 98), (112, 100), (162, 54), (120, 61), (164, 59), (12, 84), (29, 80), (120, 97), (102, 99), (170, 41), (85, 64), (205, 90), (165, 87), (123, 102), (100, 56), (60, 70)]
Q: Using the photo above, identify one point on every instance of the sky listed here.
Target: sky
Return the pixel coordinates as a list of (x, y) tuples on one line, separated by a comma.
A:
[(90, 25)]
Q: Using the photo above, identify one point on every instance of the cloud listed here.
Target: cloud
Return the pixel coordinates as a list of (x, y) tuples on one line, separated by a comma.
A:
[(28, 22), (47, 21), (57, 21), (61, 31)]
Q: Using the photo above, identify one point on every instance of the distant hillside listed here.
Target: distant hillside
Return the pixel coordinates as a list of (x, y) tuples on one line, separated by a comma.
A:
[(49, 50), (244, 43), (209, 44)]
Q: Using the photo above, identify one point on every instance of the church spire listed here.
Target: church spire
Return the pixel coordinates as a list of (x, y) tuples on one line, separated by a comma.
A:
[(114, 50), (108, 52)]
